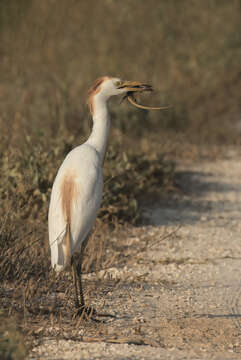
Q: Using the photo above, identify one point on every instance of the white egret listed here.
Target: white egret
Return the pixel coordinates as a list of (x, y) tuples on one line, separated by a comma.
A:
[(77, 189)]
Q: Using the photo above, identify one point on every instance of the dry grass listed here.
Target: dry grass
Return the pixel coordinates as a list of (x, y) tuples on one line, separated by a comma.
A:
[(46, 69), (12, 342)]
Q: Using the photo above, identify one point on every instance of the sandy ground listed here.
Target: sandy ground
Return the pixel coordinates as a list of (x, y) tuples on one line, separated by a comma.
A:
[(180, 299)]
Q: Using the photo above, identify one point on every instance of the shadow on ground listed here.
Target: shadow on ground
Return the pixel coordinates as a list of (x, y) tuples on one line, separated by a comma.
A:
[(191, 203)]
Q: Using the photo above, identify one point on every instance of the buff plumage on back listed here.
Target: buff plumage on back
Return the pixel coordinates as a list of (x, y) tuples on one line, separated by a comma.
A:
[(68, 194), (64, 195)]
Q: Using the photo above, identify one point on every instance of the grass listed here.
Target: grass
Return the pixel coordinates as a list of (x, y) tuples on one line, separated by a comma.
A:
[(189, 51), (12, 343)]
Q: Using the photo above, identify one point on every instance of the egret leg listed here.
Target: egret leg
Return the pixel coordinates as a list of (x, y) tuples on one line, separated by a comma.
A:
[(74, 275), (82, 300), (77, 286), (81, 294), (83, 311)]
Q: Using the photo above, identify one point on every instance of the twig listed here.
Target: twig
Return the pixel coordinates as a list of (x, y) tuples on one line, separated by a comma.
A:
[(121, 340)]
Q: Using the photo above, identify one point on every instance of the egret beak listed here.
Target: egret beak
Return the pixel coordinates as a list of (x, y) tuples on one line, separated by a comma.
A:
[(134, 86), (131, 88)]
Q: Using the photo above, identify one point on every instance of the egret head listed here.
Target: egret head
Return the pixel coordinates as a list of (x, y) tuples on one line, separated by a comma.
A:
[(106, 87), (116, 86)]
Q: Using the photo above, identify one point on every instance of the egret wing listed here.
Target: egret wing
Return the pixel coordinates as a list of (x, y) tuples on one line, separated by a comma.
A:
[(57, 230)]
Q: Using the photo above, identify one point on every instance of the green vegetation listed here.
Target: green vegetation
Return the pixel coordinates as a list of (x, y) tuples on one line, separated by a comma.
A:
[(190, 51)]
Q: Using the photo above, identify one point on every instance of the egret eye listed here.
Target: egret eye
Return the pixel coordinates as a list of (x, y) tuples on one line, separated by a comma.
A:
[(118, 83)]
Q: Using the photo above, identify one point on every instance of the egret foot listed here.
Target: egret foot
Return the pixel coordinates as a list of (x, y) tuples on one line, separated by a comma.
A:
[(86, 313)]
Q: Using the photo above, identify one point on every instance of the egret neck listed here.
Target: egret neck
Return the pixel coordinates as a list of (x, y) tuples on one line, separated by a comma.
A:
[(101, 124)]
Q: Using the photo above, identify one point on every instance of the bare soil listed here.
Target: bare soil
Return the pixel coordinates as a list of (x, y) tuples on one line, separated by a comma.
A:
[(178, 294)]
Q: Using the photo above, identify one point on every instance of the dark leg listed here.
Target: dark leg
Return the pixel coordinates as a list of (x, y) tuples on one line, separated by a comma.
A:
[(80, 305), (83, 312), (82, 301), (74, 275)]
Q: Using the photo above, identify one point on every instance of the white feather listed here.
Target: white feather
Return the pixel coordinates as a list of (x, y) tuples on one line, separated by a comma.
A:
[(84, 165), (82, 172)]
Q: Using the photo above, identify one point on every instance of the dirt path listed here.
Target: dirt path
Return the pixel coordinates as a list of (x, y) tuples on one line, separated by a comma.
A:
[(180, 299)]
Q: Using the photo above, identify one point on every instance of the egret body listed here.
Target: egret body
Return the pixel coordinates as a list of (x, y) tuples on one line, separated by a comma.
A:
[(77, 189)]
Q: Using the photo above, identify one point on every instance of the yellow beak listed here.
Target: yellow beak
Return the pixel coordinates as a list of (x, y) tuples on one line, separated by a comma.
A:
[(134, 86)]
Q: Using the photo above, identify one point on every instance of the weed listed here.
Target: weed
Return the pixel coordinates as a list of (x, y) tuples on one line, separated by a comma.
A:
[(46, 69), (12, 341)]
